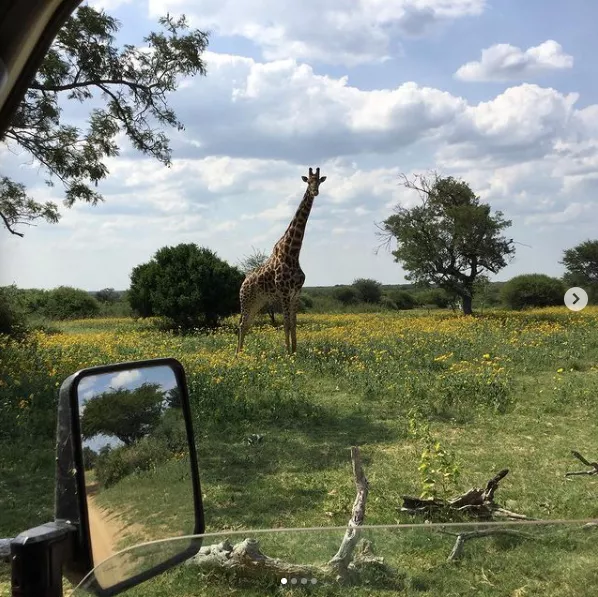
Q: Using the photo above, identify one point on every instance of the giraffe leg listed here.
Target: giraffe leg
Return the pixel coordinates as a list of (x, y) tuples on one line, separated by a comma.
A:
[(248, 313), (286, 314), (294, 307)]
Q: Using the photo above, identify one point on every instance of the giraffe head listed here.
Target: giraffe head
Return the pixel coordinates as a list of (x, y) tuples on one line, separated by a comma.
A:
[(314, 181)]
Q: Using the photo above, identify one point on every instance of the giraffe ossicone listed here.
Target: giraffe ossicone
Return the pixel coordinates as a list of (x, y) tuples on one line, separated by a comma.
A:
[(281, 278)]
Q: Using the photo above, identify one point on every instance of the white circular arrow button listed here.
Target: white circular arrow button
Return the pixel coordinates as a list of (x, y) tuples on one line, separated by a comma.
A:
[(576, 298)]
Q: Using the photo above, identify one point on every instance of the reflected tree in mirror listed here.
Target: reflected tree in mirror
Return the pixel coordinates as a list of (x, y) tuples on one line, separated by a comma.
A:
[(127, 414)]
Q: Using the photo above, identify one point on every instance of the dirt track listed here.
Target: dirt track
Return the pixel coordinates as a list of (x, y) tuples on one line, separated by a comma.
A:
[(106, 529), (103, 528)]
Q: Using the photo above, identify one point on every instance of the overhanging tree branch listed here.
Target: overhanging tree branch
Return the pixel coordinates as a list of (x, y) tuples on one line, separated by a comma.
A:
[(9, 225), (85, 63), (95, 82)]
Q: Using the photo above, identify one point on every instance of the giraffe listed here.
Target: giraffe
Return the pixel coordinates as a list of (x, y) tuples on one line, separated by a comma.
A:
[(281, 277)]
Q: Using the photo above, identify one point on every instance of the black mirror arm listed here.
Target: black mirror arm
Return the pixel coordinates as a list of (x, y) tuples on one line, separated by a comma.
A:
[(37, 557)]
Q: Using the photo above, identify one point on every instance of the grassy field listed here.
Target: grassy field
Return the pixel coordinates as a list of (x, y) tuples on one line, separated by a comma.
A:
[(437, 403)]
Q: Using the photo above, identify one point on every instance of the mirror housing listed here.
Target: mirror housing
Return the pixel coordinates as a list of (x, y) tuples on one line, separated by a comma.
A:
[(70, 493)]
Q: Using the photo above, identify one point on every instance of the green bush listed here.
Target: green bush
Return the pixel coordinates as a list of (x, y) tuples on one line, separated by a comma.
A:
[(347, 295), (435, 296), (89, 458), (12, 315), (66, 302), (171, 431), (144, 280), (120, 308), (188, 285), (306, 302), (387, 303), (325, 304), (368, 290), (533, 290), (33, 300), (117, 463), (402, 299), (107, 295)]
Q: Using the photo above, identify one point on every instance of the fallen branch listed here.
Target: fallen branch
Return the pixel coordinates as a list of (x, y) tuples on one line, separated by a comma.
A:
[(476, 502), (594, 465), (459, 547), (348, 564), (247, 560), (340, 562)]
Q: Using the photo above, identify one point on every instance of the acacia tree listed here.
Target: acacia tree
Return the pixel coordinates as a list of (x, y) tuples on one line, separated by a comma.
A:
[(126, 414), (581, 263), (127, 89), (252, 262), (450, 239)]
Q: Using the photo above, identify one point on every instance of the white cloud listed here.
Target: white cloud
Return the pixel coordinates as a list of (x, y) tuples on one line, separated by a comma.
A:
[(108, 5), (522, 123), (504, 62), (125, 378), (347, 32), (263, 124), (284, 110)]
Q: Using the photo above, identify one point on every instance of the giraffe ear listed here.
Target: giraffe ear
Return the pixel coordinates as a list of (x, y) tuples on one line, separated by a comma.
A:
[(322, 179), (304, 178)]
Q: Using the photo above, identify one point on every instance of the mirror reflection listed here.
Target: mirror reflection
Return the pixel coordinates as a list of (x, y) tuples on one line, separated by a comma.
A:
[(136, 461)]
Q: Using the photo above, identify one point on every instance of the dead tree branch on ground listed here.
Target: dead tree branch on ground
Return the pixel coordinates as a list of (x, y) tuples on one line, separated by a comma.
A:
[(594, 465), (475, 502)]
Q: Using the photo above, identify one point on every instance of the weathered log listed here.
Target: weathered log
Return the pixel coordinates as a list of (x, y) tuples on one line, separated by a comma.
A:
[(246, 560)]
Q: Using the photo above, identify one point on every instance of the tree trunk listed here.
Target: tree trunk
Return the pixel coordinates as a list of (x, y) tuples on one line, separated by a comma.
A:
[(466, 301)]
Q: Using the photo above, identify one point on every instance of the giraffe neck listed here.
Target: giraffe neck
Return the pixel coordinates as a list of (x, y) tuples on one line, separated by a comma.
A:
[(290, 243)]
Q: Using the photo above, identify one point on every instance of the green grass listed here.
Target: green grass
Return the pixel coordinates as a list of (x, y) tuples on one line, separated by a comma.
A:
[(356, 381)]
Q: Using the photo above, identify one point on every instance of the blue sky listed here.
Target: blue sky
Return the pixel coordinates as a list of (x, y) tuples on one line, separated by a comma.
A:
[(501, 93)]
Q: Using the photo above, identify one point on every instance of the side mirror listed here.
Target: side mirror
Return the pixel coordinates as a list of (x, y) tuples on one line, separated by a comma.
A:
[(126, 458)]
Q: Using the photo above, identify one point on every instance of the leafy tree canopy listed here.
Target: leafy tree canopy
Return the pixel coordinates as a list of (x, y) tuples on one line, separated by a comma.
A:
[(66, 302), (368, 290), (532, 290), (347, 295), (107, 295), (450, 238), (130, 85), (126, 414)]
